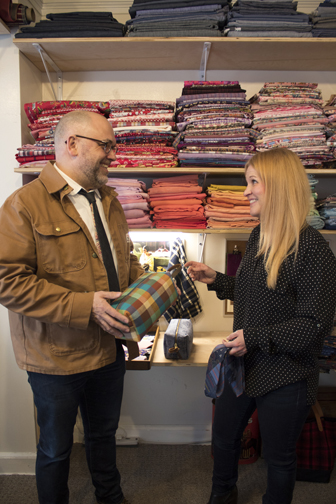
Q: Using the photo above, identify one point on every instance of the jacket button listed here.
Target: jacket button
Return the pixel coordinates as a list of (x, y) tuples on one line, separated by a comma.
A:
[(58, 229), (94, 255)]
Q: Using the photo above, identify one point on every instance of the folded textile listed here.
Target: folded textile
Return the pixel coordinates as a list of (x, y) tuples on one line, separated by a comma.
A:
[(223, 366)]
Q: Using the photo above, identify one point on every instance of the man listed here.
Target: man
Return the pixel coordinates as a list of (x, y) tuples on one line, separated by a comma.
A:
[(57, 289)]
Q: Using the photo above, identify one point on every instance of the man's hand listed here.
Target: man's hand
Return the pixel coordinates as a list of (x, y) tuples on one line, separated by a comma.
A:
[(236, 342), (107, 317)]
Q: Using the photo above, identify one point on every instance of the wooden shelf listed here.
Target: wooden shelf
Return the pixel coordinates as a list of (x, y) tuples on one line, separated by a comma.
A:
[(4, 30), (153, 53), (203, 344), (179, 170)]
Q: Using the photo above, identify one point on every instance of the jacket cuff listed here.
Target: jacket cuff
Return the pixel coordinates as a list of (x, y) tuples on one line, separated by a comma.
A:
[(81, 310)]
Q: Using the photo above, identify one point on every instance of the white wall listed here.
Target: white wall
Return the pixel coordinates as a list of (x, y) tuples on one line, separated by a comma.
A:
[(17, 439), (163, 404)]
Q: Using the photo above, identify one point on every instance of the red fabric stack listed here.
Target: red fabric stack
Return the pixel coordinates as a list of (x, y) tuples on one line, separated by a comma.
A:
[(144, 133), (43, 117)]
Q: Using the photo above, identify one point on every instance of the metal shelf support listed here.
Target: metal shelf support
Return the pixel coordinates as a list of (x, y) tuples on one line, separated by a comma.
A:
[(46, 59), (204, 60)]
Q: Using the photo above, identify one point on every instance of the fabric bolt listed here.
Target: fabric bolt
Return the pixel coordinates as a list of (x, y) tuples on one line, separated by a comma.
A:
[(291, 114), (144, 133), (213, 118), (177, 19), (74, 24), (265, 19)]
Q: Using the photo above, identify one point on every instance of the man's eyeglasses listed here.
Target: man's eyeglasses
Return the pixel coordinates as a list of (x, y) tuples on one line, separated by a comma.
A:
[(106, 145)]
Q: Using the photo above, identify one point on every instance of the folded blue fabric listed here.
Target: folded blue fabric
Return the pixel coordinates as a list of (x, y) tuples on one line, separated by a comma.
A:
[(223, 366)]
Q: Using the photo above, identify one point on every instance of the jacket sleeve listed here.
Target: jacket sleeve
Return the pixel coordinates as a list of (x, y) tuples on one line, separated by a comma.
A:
[(21, 289), (136, 270), (314, 311)]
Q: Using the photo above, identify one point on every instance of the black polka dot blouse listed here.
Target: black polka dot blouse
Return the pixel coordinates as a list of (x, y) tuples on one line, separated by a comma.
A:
[(284, 329)]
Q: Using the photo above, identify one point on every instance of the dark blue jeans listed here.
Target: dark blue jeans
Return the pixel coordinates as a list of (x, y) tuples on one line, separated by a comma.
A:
[(57, 398), (281, 415)]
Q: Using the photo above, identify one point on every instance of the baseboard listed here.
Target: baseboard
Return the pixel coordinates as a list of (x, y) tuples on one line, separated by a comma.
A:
[(17, 463)]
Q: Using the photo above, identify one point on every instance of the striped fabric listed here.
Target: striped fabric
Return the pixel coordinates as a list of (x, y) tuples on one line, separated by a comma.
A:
[(145, 301)]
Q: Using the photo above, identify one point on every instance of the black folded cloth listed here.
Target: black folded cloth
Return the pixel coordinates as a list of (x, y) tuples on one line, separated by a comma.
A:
[(74, 24)]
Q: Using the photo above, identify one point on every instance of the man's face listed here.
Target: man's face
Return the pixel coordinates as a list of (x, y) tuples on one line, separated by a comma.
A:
[(94, 162)]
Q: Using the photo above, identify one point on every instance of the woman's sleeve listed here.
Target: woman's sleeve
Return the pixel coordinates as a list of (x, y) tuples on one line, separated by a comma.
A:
[(223, 286)]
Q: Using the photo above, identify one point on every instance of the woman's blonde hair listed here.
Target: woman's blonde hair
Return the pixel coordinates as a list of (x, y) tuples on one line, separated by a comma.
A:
[(286, 206)]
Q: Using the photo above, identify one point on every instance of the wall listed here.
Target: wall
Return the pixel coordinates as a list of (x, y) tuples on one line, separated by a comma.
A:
[(161, 405), (17, 443)]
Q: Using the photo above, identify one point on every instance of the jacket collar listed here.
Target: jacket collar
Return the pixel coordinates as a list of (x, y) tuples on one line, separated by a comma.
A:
[(55, 183)]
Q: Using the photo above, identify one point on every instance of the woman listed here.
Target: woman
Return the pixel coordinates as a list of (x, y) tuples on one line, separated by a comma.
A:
[(284, 303)]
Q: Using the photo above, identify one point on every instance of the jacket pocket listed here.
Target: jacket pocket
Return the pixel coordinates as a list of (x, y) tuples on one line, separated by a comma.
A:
[(65, 341), (61, 246)]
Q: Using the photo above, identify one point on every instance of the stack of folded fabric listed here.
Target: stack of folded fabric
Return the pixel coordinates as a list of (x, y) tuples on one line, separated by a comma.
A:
[(74, 24), (134, 199), (176, 203), (227, 208), (267, 18), (214, 119), (177, 18), (330, 111), (314, 219), (324, 19), (43, 117), (290, 114), (144, 133), (327, 210)]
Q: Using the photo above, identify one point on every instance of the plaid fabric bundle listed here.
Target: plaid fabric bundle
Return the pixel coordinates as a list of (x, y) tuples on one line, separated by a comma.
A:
[(316, 449), (145, 301)]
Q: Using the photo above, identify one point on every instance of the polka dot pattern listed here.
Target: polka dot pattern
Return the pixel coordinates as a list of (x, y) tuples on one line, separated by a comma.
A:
[(284, 328)]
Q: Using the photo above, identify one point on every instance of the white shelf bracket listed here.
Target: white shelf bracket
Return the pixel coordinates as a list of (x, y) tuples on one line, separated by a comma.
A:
[(204, 60), (46, 58), (201, 243)]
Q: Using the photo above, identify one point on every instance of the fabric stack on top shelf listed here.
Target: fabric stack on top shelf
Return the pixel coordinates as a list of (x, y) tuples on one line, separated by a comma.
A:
[(214, 119), (327, 359), (324, 19), (134, 199), (227, 208), (43, 117), (290, 114), (327, 210), (176, 203), (74, 24), (144, 131), (267, 18), (314, 219), (177, 18)]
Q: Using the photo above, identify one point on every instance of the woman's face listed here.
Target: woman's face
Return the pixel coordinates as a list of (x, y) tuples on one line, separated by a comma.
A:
[(255, 191)]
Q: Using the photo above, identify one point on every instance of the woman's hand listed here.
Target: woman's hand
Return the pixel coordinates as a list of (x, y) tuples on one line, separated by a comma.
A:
[(200, 272), (236, 342)]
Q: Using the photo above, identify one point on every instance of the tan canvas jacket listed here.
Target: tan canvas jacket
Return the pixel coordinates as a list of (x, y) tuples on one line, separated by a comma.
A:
[(49, 271)]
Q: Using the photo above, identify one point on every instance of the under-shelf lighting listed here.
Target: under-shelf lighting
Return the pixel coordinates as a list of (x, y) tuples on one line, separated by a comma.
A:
[(141, 236)]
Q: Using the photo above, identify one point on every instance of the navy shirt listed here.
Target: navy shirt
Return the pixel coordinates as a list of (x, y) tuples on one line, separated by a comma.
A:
[(284, 328)]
